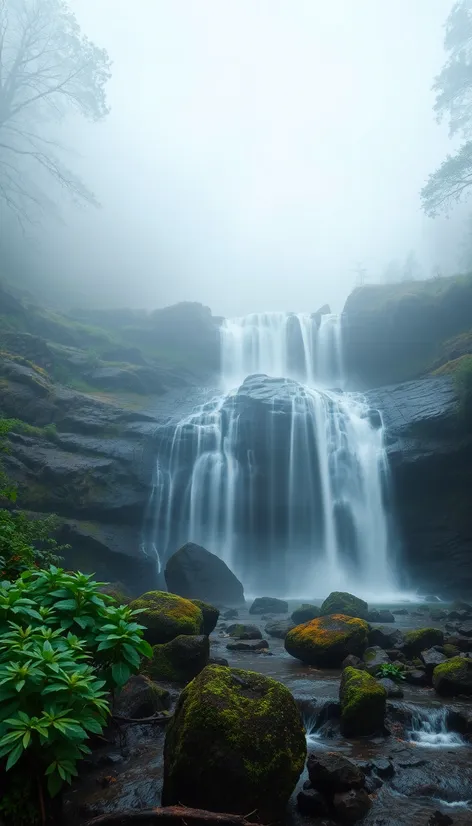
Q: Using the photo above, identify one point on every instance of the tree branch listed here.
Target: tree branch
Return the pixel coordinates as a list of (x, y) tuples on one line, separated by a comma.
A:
[(171, 816)]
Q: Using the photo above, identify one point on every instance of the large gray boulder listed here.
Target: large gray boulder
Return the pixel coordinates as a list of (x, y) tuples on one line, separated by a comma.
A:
[(195, 573)]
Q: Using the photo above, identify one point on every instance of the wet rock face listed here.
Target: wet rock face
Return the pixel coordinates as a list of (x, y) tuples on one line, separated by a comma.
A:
[(196, 573), (331, 772), (374, 657)]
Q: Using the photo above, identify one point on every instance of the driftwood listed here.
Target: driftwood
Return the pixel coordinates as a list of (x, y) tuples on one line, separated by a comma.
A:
[(170, 816), (160, 719)]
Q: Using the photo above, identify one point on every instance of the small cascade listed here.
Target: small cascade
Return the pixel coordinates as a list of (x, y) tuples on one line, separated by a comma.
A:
[(429, 728), (283, 477)]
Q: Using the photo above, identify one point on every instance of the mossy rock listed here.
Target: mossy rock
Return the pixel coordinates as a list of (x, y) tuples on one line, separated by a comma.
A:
[(327, 641), (305, 613), (210, 615), (166, 616), (363, 703), (453, 677), (179, 660), (421, 639), (141, 697), (236, 743), (450, 650), (117, 592), (340, 602)]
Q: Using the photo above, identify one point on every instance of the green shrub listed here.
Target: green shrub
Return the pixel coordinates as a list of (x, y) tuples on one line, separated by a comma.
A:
[(63, 645), (393, 672)]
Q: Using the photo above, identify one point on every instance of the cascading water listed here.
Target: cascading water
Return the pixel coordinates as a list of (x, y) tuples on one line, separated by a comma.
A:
[(282, 477), (429, 728)]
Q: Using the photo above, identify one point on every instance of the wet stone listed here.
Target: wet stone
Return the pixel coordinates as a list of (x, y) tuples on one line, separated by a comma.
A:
[(352, 805), (383, 767), (352, 661), (416, 677), (247, 645), (311, 802), (241, 631), (394, 691)]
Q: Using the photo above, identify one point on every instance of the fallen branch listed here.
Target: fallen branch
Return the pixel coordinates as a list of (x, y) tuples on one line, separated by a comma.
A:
[(161, 719), (170, 816)]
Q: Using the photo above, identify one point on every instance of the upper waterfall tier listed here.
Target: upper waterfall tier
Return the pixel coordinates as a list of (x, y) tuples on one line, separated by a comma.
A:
[(300, 346)]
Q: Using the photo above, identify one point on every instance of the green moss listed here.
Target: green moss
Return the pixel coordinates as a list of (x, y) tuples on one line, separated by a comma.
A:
[(167, 616), (450, 650), (421, 639), (210, 615), (340, 602), (327, 640), (236, 742), (363, 703), (453, 677), (305, 613), (179, 660)]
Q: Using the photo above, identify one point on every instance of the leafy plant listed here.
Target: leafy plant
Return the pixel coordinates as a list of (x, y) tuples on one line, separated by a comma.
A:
[(390, 670), (63, 646)]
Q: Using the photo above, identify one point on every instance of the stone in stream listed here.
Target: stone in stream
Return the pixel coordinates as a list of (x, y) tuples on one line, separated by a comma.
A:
[(341, 602), (311, 802), (385, 637), (465, 630), (218, 661), (260, 720), (416, 677), (374, 657), (380, 616), (141, 697), (352, 805), (430, 659), (305, 613), (247, 645), (231, 613), (279, 628), (269, 605), (383, 767), (331, 772), (394, 691), (179, 660), (195, 573), (241, 631), (353, 662), (210, 615), (421, 639), (363, 703), (327, 641), (453, 677)]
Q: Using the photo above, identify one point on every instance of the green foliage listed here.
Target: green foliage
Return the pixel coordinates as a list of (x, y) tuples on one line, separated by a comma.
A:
[(393, 672), (463, 383), (63, 645)]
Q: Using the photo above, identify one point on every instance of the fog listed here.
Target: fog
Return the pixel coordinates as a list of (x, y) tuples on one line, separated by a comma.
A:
[(256, 153)]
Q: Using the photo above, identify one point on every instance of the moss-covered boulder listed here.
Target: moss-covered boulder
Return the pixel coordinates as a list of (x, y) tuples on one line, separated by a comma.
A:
[(327, 641), (453, 677), (340, 602), (269, 605), (236, 744), (210, 615), (166, 616), (241, 631), (305, 613), (179, 660), (117, 592), (141, 697), (363, 703), (421, 639)]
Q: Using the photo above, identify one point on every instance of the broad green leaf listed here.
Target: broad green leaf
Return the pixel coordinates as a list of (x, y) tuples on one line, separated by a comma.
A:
[(120, 673), (14, 756)]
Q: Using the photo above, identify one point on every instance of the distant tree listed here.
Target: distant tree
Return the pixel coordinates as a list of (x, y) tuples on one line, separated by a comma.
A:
[(453, 87), (48, 68), (361, 274), (411, 268)]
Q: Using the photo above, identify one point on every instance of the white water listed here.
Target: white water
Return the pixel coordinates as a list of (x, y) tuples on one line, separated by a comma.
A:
[(310, 516), (429, 729)]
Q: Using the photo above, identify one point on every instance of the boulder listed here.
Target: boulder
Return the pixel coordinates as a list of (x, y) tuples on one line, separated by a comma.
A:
[(416, 677), (465, 630), (380, 616), (179, 660), (352, 805), (430, 659), (421, 639), (269, 605), (236, 744), (166, 616), (392, 688), (353, 662), (340, 602), (385, 637), (363, 703), (218, 661), (440, 819), (438, 614), (328, 640), (141, 697), (279, 628), (231, 613), (196, 573), (383, 767), (374, 657), (305, 613), (311, 803), (244, 632), (460, 605), (453, 677), (210, 615), (331, 772), (248, 645)]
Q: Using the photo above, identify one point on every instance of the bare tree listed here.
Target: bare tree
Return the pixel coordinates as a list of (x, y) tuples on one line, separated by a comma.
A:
[(48, 68)]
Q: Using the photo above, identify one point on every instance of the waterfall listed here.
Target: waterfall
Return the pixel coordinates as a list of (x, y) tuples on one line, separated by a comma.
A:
[(429, 728), (293, 503)]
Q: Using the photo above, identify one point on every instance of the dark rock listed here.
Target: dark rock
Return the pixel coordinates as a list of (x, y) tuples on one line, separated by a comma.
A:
[(210, 615), (462, 643), (363, 703), (416, 677), (166, 616), (465, 630), (380, 616), (421, 639), (269, 605), (279, 628), (438, 614), (179, 660), (400, 612), (247, 645), (331, 772), (461, 616), (383, 767), (392, 688), (195, 573), (430, 659), (453, 677), (141, 697), (341, 602), (385, 637), (305, 613), (440, 819), (240, 631), (327, 640), (230, 706), (459, 605), (311, 803), (352, 805), (353, 662), (374, 657), (230, 614), (218, 661)]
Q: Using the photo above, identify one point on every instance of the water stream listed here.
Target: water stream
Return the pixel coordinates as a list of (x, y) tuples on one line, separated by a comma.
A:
[(294, 503)]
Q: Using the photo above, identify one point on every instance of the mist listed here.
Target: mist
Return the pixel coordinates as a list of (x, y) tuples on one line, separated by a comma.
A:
[(257, 152)]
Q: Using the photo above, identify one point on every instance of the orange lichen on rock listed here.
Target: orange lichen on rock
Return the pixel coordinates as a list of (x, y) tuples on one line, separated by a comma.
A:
[(327, 640)]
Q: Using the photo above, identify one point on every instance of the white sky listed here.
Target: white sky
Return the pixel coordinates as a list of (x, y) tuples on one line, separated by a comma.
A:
[(256, 149)]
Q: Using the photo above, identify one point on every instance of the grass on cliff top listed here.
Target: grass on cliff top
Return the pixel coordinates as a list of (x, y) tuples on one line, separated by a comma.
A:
[(374, 297)]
